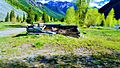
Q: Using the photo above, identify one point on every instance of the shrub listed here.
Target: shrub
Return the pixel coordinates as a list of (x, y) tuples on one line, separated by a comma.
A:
[(38, 44)]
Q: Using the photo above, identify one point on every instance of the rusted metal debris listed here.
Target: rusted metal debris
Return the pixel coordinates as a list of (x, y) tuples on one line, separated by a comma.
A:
[(67, 30)]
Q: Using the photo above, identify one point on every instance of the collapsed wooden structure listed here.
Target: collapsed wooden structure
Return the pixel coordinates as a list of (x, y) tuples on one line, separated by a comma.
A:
[(67, 30)]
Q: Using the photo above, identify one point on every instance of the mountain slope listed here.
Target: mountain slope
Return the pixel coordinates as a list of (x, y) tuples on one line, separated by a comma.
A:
[(46, 9), (115, 4), (24, 5), (59, 6), (5, 7), (38, 8), (55, 9)]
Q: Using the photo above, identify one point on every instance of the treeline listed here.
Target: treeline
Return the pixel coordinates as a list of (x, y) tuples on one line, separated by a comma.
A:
[(77, 17), (46, 18), (86, 16), (30, 17), (93, 17), (34, 17), (12, 17), (33, 14)]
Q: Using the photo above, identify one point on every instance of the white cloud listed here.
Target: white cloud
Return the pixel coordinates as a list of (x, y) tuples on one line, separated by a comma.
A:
[(63, 0), (98, 0), (93, 4), (45, 1)]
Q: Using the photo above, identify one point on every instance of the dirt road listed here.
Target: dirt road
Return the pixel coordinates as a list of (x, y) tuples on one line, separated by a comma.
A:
[(11, 31)]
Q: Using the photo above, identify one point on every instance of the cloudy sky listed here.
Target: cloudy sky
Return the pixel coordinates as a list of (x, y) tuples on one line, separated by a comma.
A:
[(44, 1), (95, 4), (98, 0), (54, 0)]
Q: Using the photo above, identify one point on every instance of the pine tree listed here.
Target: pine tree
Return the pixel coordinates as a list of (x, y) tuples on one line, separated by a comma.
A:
[(45, 17), (51, 19), (7, 19), (18, 18), (36, 17), (12, 16), (24, 18), (30, 17), (102, 18), (109, 22), (70, 16)]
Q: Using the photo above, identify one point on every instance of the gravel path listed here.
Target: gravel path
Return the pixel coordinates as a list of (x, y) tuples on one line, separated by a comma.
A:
[(11, 31)]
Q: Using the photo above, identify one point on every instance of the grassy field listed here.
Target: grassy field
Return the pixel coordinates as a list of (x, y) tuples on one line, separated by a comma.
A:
[(101, 44), (2, 26), (7, 25)]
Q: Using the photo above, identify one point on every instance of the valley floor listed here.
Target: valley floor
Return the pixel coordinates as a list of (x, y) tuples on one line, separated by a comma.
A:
[(98, 48)]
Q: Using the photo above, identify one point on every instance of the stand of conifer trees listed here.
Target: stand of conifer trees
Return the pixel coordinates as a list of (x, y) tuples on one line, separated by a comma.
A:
[(12, 17)]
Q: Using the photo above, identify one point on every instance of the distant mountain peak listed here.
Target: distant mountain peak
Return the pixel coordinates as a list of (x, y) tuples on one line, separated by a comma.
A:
[(59, 5)]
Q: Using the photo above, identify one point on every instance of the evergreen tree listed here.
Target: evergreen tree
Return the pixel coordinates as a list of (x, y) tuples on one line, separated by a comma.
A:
[(12, 16), (30, 17), (24, 18), (50, 19), (7, 19), (109, 22), (18, 18), (62, 20), (54, 19), (36, 17), (45, 17), (102, 18), (70, 16)]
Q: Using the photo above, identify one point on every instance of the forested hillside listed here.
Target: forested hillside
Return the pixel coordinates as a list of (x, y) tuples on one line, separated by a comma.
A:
[(38, 8), (6, 7), (52, 9), (23, 5)]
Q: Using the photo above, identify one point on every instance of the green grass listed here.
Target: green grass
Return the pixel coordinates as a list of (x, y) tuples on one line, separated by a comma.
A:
[(100, 42), (2, 26), (7, 25), (107, 38)]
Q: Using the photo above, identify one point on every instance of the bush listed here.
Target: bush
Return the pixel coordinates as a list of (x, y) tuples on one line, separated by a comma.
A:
[(38, 44)]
